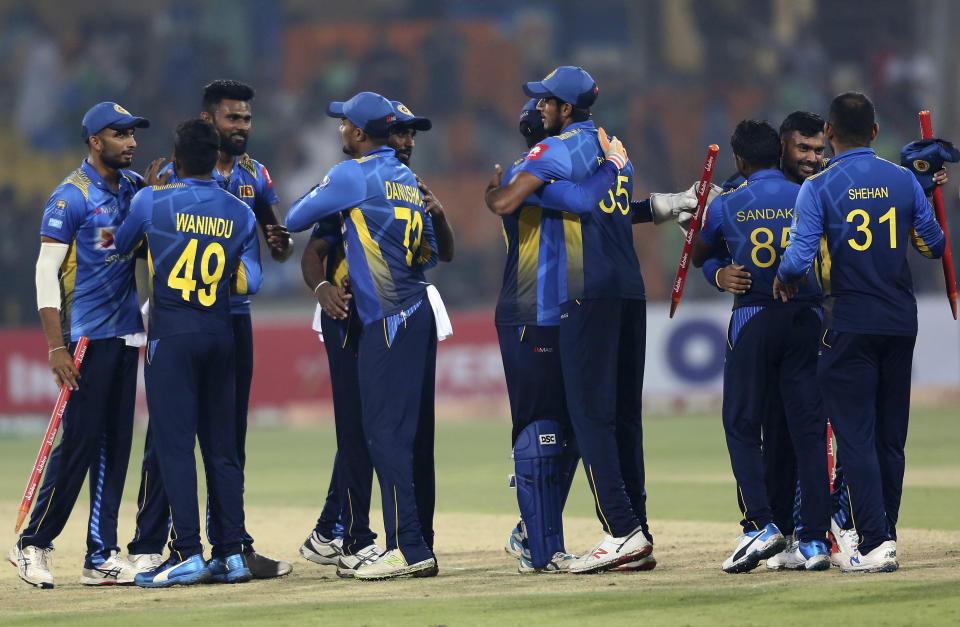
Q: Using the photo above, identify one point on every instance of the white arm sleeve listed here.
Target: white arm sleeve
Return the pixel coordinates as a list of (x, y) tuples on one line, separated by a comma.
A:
[(51, 257)]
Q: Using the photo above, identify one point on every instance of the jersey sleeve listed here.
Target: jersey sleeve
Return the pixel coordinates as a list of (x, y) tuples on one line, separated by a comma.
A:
[(342, 188), (548, 161), (168, 170), (266, 194), (712, 228), (328, 230), (926, 235), (712, 266), (130, 233), (248, 276), (580, 198), (64, 213), (427, 256), (805, 235)]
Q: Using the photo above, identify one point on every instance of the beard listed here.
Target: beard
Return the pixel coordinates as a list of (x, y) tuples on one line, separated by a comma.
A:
[(553, 130), (233, 145), (116, 161)]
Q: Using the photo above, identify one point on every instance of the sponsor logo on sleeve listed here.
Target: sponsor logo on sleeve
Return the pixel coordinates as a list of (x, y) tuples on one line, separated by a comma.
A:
[(266, 176), (55, 223), (536, 151)]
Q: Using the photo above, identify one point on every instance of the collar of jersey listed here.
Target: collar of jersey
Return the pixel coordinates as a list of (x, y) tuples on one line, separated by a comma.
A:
[(98, 180), (766, 174), (856, 152), (204, 182), (381, 149), (585, 125), (221, 178)]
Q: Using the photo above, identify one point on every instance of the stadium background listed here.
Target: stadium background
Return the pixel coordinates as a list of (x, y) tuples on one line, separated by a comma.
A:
[(674, 75)]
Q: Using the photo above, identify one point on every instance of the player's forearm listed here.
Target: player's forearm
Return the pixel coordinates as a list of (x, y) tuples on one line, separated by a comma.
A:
[(312, 262), (506, 199), (444, 234), (50, 319), (581, 198)]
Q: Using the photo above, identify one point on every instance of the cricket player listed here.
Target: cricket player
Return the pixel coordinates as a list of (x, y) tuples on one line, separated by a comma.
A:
[(389, 242), (860, 213), (341, 529), (771, 350), (200, 241), (226, 104), (601, 331), (86, 288)]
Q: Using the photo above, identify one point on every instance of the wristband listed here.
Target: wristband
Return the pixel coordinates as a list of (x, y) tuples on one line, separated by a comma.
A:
[(319, 286), (53, 350), (716, 279)]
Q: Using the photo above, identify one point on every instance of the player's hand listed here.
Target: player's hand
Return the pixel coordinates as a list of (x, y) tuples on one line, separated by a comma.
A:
[(430, 203), (150, 175), (279, 242), (783, 291), (345, 284), (333, 300), (613, 149), (64, 370), (734, 279), (496, 179), (940, 177)]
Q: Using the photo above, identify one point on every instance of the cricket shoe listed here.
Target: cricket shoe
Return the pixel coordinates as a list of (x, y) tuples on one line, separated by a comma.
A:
[(175, 573), (559, 563), (116, 570), (263, 567), (142, 562), (517, 543), (802, 555), (845, 539), (229, 569), (612, 552), (644, 563), (753, 547), (319, 550), (882, 559), (392, 565), (31, 563), (348, 564)]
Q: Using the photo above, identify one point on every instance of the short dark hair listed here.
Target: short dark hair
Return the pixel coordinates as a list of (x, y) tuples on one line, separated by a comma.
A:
[(225, 89), (852, 117), (804, 122), (196, 145), (757, 143)]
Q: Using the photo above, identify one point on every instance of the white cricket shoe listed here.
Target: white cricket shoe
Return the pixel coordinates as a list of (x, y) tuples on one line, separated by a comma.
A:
[(347, 565), (611, 552), (882, 559), (846, 539), (516, 545), (800, 555), (649, 562), (31, 563), (319, 550), (392, 565), (116, 570), (559, 563), (754, 546), (144, 562)]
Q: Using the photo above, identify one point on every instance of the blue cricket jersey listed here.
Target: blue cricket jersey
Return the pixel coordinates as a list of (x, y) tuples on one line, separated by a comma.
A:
[(201, 244), (97, 287), (388, 237), (859, 213), (597, 259), (754, 219), (250, 182)]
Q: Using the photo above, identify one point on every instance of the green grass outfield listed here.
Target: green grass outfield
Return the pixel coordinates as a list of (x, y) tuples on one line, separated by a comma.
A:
[(693, 516)]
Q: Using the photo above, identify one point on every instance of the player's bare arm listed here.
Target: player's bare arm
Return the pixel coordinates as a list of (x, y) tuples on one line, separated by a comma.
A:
[(441, 226), (784, 291), (61, 362), (333, 299), (277, 236), (508, 198), (701, 252), (151, 174)]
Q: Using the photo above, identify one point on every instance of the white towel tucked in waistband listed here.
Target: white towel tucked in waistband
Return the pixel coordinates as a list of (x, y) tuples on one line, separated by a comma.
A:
[(444, 328)]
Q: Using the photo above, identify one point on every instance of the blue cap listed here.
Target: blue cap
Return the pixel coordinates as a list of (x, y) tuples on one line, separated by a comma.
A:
[(530, 106), (370, 112), (109, 115), (926, 157), (406, 118), (568, 83)]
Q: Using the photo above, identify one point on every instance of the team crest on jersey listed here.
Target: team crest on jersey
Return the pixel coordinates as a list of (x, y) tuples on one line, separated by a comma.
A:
[(246, 191), (920, 165), (61, 208), (536, 151), (104, 240), (120, 109)]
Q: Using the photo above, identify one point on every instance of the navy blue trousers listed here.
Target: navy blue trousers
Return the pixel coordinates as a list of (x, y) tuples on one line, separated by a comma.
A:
[(865, 382), (351, 482), (153, 510), (97, 431), (768, 386), (397, 368), (190, 395), (602, 346)]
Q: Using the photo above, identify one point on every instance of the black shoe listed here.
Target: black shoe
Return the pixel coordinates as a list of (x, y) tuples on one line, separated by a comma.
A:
[(263, 567)]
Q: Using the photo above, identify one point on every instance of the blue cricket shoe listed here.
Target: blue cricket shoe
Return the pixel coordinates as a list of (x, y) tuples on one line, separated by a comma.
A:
[(753, 547), (175, 573), (229, 569)]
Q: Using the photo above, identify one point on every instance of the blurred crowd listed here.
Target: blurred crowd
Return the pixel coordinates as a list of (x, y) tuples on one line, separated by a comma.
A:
[(674, 76)]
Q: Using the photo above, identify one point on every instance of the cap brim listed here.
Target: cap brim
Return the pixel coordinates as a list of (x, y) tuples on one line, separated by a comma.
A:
[(419, 124), (335, 109), (134, 122), (536, 89)]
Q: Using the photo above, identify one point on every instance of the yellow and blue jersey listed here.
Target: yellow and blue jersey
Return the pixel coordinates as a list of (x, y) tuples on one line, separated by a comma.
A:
[(201, 245), (388, 237), (754, 219), (330, 230), (250, 182), (97, 287), (597, 258), (859, 214)]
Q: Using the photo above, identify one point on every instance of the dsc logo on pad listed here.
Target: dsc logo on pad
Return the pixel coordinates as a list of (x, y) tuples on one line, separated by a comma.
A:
[(548, 438)]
